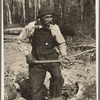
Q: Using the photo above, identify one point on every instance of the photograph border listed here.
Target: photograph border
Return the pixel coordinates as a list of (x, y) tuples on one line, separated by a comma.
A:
[(97, 50)]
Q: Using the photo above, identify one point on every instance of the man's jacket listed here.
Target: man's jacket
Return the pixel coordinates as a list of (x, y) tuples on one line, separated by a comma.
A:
[(28, 32)]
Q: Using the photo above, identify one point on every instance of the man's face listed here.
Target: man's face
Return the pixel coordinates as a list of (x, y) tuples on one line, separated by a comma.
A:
[(46, 20)]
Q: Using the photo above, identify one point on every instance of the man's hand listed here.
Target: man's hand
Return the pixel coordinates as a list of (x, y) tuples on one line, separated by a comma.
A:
[(30, 59), (65, 60)]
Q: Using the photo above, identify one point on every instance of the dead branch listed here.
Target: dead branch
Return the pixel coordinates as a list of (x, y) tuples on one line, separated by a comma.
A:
[(84, 46), (87, 36), (82, 53)]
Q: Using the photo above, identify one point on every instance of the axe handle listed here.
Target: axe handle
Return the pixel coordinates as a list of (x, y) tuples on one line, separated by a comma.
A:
[(47, 61), (54, 61)]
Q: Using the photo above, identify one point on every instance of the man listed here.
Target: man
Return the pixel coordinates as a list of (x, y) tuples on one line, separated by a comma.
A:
[(44, 37)]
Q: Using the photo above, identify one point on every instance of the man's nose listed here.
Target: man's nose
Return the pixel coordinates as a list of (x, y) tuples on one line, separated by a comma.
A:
[(49, 18)]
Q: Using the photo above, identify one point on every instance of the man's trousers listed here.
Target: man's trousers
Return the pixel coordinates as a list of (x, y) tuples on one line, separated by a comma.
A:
[(37, 74)]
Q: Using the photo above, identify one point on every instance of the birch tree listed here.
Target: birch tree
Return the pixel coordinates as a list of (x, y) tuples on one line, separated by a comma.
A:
[(24, 11), (9, 17)]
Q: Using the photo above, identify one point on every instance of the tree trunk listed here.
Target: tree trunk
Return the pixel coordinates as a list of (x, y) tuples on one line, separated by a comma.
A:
[(9, 15), (56, 7), (39, 4), (4, 13), (35, 9), (24, 11), (82, 12)]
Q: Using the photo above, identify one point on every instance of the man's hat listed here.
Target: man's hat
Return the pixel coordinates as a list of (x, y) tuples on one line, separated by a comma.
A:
[(44, 10)]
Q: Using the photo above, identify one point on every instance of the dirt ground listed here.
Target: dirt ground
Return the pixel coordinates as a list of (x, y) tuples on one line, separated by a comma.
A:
[(14, 64)]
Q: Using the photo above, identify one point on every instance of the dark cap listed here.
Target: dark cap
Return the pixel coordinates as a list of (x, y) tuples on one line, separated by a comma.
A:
[(44, 10)]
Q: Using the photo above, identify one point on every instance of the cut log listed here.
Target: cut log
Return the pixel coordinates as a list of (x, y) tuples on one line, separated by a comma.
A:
[(80, 92), (13, 30)]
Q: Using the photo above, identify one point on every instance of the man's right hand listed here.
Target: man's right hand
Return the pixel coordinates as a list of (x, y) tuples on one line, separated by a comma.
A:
[(29, 59)]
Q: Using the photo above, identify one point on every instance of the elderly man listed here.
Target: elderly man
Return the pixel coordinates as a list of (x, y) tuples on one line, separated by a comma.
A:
[(44, 37)]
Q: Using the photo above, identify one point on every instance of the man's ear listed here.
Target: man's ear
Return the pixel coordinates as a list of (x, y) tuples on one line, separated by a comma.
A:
[(38, 21)]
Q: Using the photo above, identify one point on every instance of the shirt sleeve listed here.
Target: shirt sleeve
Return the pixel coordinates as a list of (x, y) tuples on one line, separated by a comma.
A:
[(60, 39), (24, 38)]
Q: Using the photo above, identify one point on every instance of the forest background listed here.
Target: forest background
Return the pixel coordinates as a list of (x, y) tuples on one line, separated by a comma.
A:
[(73, 16)]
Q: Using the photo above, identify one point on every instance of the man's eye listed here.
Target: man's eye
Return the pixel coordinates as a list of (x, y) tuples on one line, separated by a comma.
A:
[(48, 17)]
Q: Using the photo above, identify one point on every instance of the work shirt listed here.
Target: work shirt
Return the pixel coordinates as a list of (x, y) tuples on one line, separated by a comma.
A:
[(29, 31)]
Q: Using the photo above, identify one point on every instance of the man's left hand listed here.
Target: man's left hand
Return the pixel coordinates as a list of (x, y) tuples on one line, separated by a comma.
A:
[(65, 60)]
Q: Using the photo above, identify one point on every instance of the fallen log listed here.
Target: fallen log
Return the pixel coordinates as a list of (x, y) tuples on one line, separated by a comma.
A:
[(13, 31)]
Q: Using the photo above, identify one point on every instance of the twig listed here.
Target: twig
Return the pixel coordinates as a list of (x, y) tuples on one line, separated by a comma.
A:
[(70, 81), (87, 36), (83, 46), (82, 53)]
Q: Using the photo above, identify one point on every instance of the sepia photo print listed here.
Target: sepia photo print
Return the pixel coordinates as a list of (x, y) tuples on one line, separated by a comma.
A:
[(49, 50)]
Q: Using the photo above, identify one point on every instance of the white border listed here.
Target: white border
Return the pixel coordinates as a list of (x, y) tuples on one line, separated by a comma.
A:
[(2, 56), (97, 45), (97, 51)]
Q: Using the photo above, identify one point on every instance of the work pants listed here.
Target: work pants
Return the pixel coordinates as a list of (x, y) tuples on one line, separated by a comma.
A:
[(37, 74)]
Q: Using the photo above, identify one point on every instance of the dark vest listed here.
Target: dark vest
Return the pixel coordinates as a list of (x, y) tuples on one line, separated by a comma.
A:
[(43, 44)]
